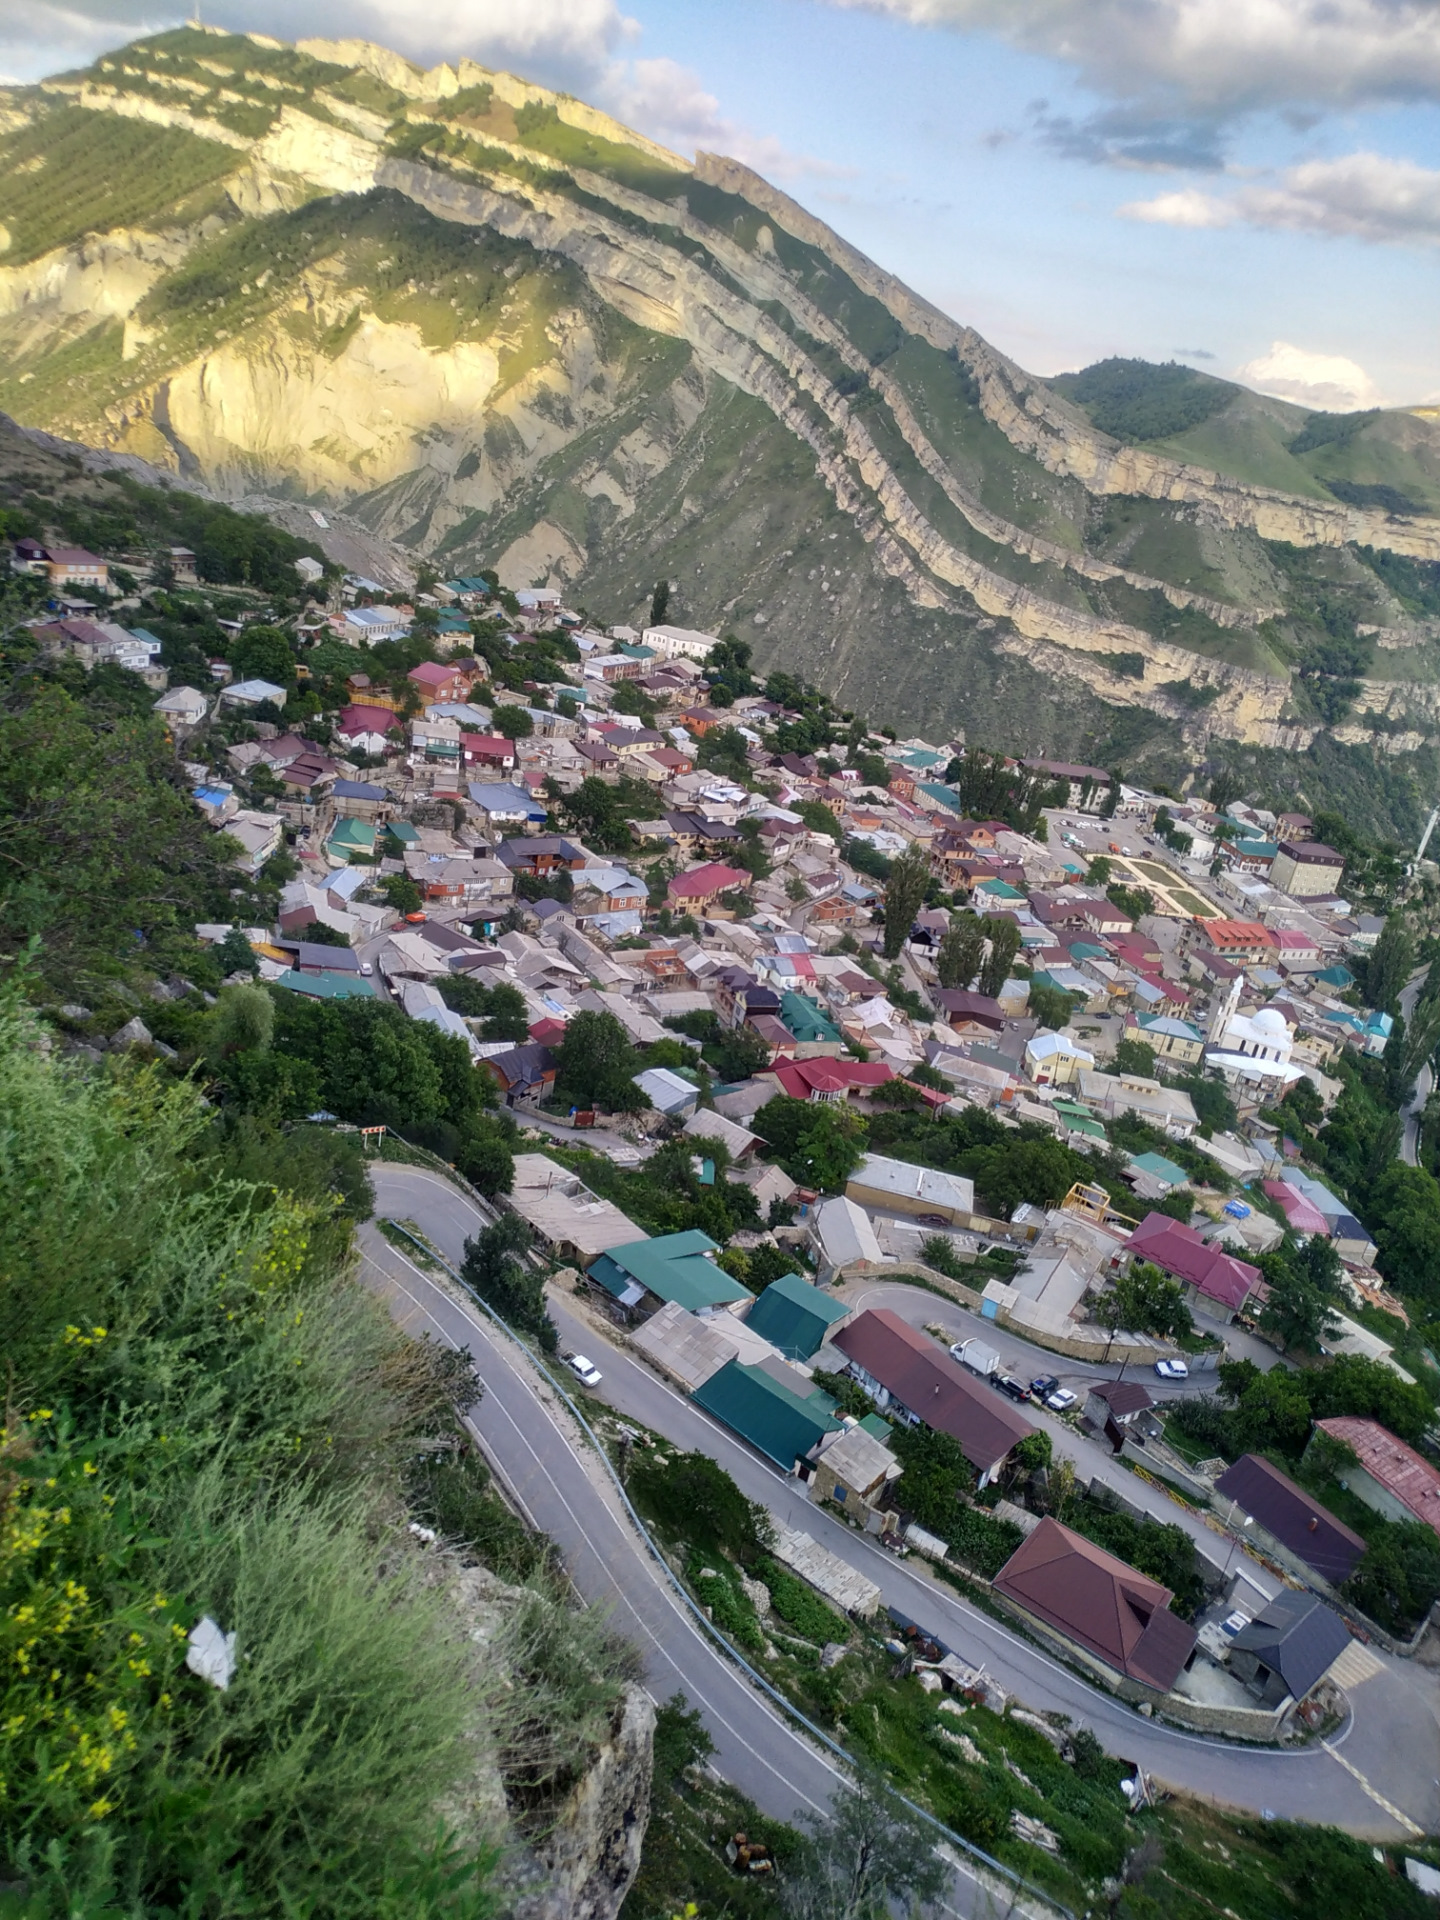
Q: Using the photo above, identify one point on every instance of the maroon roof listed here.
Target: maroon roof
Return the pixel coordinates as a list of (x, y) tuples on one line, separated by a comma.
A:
[(958, 1004), (1123, 1396), (1101, 1604), (1181, 1252), (366, 720), (922, 1377), (1296, 1518), (1396, 1467)]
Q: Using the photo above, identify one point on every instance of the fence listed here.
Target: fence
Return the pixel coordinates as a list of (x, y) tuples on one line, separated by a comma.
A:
[(703, 1621)]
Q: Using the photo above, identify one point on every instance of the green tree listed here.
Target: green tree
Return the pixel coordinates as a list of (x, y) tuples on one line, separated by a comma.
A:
[(263, 653), (1135, 1056), (693, 1496), (496, 1267), (869, 1859), (820, 819), (904, 896), (817, 1144), (402, 893), (1144, 1300), (595, 1065), (236, 955), (243, 1020), (1391, 964), (961, 951), (739, 1053), (1004, 939), (660, 603), (1100, 871), (1053, 1007), (513, 722), (1298, 1312)]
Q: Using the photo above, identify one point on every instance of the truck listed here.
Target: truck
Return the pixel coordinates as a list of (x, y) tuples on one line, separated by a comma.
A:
[(976, 1357)]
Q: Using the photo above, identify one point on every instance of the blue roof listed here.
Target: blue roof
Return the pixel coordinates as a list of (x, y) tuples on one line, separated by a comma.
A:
[(357, 790), (330, 986), (497, 797)]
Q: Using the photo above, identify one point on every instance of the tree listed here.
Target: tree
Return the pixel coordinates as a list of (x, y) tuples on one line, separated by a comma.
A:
[(961, 950), (1225, 789), (485, 1158), (904, 896), (1391, 964), (1297, 1312), (243, 1021), (660, 603), (1053, 1007), (1100, 871), (819, 818), (263, 653), (869, 1859), (740, 1053), (402, 893), (1135, 1056), (1004, 938), (1144, 1300), (817, 1144), (496, 1267), (693, 1495), (236, 955), (513, 722), (595, 1065)]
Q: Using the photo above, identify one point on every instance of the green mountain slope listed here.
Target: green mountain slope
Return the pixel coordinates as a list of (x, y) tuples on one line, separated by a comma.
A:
[(500, 328)]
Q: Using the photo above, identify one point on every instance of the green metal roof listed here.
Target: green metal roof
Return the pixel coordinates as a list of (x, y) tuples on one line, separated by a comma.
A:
[(330, 986), (356, 834), (944, 796), (403, 834), (877, 1426), (793, 1316), (1159, 1168), (775, 1421), (672, 1267), (1000, 890), (804, 1019)]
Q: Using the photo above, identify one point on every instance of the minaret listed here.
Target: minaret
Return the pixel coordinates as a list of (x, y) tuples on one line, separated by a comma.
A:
[(1225, 1011)]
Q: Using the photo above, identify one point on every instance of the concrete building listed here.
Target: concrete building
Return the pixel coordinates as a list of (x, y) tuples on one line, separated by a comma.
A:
[(1307, 869), (855, 1471), (897, 1186), (573, 1223)]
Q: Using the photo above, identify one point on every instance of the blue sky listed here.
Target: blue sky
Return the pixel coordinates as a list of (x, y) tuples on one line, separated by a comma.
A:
[(1251, 183)]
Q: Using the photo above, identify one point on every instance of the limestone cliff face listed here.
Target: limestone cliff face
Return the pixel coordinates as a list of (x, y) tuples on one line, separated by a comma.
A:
[(535, 431)]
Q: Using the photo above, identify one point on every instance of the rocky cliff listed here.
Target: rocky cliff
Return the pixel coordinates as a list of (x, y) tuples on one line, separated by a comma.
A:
[(499, 327)]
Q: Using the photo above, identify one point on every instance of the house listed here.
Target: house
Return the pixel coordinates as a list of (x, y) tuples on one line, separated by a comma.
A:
[(365, 729), (701, 887), (74, 567), (855, 1470), (1287, 1650), (896, 1186), (842, 1234), (259, 834), (1170, 1038), (1116, 1406), (504, 805), (1165, 1107), (831, 1082), (309, 569), (1215, 1282), (525, 1073), (1242, 942), (368, 626), (1388, 1476), (1307, 869), (644, 1274), (563, 1214), (965, 1012), (1086, 787), (795, 1316), (1054, 1059), (329, 984), (907, 1373), (544, 853), (678, 643), (351, 836), (668, 1092), (488, 750), (436, 682), (358, 799), (252, 693), (182, 709), (777, 1419), (1100, 1609), (1286, 1515)]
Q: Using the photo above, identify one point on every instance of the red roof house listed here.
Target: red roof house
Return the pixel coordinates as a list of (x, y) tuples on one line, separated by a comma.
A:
[(1391, 1477), (1210, 1272), (830, 1081), (703, 885)]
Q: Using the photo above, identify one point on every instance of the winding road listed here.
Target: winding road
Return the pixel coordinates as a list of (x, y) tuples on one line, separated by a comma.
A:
[(1424, 1079), (1378, 1778)]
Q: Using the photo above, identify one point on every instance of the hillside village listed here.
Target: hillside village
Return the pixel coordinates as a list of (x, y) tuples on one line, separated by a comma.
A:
[(813, 968)]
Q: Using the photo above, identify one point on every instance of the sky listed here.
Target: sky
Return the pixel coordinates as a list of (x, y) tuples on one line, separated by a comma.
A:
[(1252, 186)]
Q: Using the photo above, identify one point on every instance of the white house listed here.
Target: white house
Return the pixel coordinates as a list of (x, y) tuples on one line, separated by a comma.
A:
[(367, 626), (252, 693), (1255, 1046), (679, 643)]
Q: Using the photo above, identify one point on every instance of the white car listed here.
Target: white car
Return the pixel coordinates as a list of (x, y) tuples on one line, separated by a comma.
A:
[(1061, 1400), (1172, 1369), (585, 1371)]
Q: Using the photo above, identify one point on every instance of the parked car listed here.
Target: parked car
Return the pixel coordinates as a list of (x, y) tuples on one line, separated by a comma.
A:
[(1008, 1384), (585, 1371), (1172, 1369), (1042, 1384), (1061, 1400)]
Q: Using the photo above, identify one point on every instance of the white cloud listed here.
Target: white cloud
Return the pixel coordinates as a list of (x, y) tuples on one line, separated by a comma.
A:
[(1363, 196), (1189, 207), (1327, 381), (1216, 58), (562, 43)]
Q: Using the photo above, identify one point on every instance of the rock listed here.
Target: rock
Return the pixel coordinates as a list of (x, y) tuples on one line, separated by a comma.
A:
[(757, 1593), (1034, 1832), (1057, 1736), (72, 1010), (929, 1681), (165, 1053), (963, 1745), (134, 1033), (1023, 1778), (1146, 1708), (831, 1654), (957, 1707)]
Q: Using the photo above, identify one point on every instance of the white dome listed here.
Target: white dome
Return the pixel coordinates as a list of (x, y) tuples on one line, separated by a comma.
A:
[(1270, 1021)]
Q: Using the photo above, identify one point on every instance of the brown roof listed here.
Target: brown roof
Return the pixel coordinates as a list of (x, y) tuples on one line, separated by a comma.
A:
[(1123, 1396), (1297, 1520), (1397, 1468), (914, 1371), (1117, 1614)]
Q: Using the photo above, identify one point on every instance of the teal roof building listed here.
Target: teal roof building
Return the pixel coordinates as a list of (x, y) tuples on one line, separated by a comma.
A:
[(800, 1016), (674, 1266), (774, 1420), (794, 1316)]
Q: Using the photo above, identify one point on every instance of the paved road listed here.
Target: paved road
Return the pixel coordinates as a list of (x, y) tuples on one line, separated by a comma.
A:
[(1389, 1753), (1424, 1080)]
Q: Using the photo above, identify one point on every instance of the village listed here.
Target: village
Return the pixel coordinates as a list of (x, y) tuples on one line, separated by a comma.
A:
[(775, 927)]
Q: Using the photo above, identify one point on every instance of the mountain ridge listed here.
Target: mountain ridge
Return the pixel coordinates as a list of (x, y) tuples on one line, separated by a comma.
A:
[(595, 318)]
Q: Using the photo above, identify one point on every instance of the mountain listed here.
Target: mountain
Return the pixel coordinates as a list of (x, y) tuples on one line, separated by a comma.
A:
[(498, 327)]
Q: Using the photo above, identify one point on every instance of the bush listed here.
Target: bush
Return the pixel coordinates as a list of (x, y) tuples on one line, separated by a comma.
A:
[(799, 1607)]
